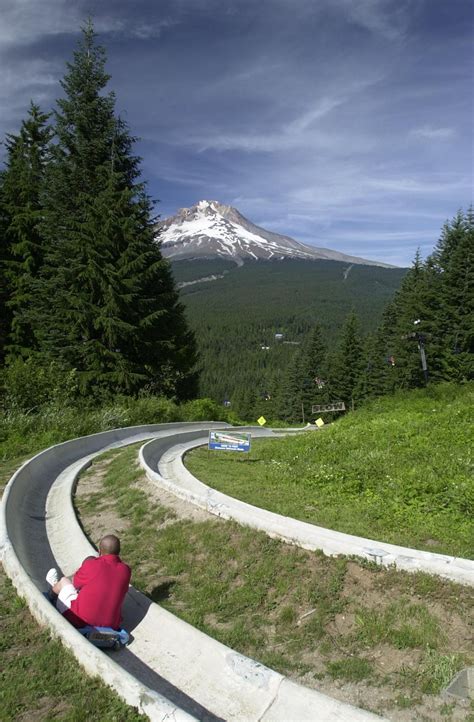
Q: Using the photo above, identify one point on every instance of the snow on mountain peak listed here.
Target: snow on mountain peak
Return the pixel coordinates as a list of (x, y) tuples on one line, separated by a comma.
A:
[(210, 229)]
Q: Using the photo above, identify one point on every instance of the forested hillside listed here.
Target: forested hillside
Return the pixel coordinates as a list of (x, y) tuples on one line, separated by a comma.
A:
[(277, 337), (236, 315)]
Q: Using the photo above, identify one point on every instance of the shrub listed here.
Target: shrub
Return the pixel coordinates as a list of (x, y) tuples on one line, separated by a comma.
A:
[(203, 410), (151, 410), (28, 386)]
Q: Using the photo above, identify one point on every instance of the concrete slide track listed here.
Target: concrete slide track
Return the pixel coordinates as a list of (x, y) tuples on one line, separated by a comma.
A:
[(170, 671)]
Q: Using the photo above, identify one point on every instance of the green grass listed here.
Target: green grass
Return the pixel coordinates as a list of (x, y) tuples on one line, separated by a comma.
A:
[(399, 470), (352, 669), (40, 679), (401, 624), (433, 673), (317, 619)]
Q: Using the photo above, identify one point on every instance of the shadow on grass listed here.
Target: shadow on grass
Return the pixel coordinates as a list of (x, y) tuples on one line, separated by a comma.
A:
[(162, 591)]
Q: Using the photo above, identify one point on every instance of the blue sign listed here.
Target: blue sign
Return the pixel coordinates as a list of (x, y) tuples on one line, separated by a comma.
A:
[(229, 441)]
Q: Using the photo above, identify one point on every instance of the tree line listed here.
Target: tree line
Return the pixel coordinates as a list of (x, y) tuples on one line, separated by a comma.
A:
[(86, 299), (426, 335)]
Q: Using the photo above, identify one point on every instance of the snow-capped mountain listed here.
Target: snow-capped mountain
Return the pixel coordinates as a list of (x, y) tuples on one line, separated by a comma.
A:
[(210, 229)]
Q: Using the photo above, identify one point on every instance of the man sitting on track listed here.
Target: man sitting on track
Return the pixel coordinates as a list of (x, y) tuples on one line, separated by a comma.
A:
[(96, 593)]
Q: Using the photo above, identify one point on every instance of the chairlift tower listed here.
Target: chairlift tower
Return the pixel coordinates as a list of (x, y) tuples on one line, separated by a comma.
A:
[(420, 338)]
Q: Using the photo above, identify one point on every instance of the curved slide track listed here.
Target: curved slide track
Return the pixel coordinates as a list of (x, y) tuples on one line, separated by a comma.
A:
[(170, 671)]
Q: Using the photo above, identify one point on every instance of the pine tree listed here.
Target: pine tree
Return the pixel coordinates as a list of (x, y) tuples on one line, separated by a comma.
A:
[(5, 258), (414, 325), (381, 355), (452, 260), (22, 188), (244, 403), (290, 398), (371, 374), (109, 307), (347, 363), (314, 384)]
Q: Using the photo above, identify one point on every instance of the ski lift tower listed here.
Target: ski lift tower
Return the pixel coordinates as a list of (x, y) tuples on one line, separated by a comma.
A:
[(420, 338)]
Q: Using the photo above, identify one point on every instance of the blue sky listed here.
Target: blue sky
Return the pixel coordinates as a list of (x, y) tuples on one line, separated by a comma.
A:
[(342, 123)]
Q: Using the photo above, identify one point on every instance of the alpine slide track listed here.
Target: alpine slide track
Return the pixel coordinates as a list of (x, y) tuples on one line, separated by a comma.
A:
[(170, 670)]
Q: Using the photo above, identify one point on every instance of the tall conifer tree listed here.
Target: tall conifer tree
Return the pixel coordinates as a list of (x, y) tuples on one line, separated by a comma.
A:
[(5, 257), (22, 191), (435, 304), (290, 402), (314, 384), (413, 306), (453, 260), (109, 306), (304, 381), (347, 362)]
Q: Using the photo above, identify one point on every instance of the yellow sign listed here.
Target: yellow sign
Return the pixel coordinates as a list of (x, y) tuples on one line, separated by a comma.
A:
[(319, 423), (262, 420)]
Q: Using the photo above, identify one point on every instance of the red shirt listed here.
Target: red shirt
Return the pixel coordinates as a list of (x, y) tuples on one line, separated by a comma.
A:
[(102, 584)]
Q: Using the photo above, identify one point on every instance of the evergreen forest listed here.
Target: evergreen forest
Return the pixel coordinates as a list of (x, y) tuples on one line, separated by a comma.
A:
[(252, 320), (276, 338), (91, 311)]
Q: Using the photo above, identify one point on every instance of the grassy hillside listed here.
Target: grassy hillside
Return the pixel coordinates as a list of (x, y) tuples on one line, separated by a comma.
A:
[(399, 470), (246, 307)]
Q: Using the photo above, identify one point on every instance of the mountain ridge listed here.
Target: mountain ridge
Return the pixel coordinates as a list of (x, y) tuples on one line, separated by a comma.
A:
[(210, 229)]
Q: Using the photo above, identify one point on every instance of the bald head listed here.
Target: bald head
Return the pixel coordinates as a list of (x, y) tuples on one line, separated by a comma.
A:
[(109, 544)]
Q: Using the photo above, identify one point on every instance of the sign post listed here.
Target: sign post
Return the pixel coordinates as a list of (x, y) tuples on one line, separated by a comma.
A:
[(336, 406), (229, 441)]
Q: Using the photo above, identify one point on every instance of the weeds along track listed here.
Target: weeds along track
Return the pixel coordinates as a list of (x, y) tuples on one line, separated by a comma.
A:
[(170, 670)]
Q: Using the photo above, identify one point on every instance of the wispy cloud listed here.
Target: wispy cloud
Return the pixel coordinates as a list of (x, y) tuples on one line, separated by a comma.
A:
[(24, 21), (27, 21), (431, 133), (322, 108), (414, 185), (144, 31), (302, 131), (381, 17)]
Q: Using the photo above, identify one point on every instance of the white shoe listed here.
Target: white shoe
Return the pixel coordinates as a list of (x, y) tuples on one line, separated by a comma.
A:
[(52, 577)]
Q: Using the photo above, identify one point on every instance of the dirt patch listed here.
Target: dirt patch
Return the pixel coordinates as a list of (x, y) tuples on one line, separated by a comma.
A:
[(46, 708), (184, 510), (90, 490)]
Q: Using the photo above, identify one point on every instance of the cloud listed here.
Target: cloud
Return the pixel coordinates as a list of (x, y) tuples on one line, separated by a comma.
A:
[(319, 110), (144, 31), (28, 21), (384, 18), (303, 131), (419, 186), (26, 80), (431, 133), (24, 21)]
